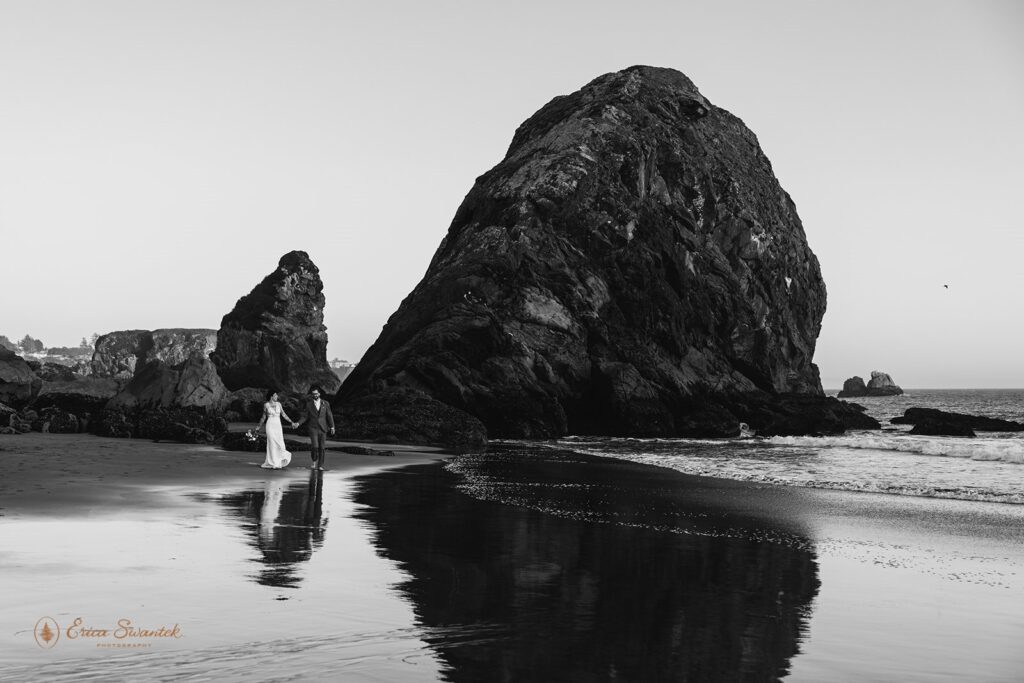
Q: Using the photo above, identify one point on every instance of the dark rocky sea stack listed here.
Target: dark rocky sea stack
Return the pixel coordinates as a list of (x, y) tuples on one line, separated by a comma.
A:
[(275, 336), (880, 384), (629, 268)]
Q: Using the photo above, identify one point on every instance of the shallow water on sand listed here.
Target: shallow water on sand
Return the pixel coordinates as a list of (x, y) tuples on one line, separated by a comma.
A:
[(276, 581), (520, 565)]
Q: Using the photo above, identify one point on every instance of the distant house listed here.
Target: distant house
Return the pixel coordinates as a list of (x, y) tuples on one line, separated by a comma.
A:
[(341, 368)]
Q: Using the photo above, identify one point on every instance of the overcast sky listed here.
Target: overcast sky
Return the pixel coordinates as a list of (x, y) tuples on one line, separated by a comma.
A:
[(158, 158)]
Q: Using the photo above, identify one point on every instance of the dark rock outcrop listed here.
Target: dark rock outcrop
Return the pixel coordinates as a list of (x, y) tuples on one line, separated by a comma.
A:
[(247, 404), (18, 384), (961, 421), (630, 268), (119, 355), (880, 384), (54, 420), (56, 372), (400, 415), (193, 383), (6, 412), (853, 388), (934, 427), (796, 414), (80, 395), (275, 336), (161, 368), (186, 425)]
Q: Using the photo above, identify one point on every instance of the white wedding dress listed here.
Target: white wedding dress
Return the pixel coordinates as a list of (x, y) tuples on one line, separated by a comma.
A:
[(277, 456)]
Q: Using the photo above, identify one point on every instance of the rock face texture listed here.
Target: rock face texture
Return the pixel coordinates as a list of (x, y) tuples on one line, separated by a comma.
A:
[(160, 369), (193, 383), (119, 355), (880, 384), (628, 268), (275, 336), (18, 384)]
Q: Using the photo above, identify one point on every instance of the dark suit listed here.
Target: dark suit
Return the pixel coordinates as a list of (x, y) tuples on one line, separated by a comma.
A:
[(318, 422)]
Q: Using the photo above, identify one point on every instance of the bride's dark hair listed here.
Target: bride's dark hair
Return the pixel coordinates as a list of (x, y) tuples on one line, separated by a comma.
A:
[(270, 393)]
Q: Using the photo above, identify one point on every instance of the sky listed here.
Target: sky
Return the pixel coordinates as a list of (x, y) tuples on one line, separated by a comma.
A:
[(158, 158)]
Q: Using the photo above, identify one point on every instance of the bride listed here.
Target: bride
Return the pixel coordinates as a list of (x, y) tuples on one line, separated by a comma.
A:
[(277, 456)]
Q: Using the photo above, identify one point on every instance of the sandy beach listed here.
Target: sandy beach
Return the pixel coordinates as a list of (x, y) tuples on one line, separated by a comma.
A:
[(163, 561)]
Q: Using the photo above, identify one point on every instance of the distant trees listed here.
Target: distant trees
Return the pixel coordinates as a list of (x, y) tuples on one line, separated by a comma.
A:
[(30, 345)]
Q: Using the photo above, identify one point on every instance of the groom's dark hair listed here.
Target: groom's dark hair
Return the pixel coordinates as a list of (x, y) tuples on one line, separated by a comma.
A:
[(315, 388)]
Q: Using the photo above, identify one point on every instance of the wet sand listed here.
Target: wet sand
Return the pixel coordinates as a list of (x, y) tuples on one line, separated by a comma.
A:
[(514, 566)]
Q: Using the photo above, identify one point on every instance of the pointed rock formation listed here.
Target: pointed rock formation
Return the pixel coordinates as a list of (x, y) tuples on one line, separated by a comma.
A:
[(628, 268), (275, 336)]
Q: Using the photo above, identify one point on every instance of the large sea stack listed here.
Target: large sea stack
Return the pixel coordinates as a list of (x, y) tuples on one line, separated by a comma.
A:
[(275, 336), (632, 267)]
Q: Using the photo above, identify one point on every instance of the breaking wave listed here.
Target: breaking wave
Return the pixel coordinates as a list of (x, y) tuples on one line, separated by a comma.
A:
[(1009, 450)]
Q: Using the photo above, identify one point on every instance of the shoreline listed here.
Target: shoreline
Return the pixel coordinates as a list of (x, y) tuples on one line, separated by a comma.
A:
[(425, 566), (46, 473)]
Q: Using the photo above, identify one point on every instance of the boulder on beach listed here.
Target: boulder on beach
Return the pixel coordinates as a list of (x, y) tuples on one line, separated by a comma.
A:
[(275, 336), (631, 267), (6, 412), (191, 383), (18, 384), (880, 384)]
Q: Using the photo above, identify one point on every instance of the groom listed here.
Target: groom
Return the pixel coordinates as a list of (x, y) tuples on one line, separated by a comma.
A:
[(319, 421)]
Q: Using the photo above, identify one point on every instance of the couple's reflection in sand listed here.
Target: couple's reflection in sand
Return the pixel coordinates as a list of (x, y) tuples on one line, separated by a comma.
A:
[(285, 523)]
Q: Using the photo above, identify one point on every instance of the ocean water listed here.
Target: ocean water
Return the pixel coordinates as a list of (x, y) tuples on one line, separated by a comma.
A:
[(989, 467)]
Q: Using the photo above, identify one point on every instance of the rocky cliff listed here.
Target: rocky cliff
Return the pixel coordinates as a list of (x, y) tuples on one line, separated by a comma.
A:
[(275, 336), (160, 368), (629, 268), (119, 354)]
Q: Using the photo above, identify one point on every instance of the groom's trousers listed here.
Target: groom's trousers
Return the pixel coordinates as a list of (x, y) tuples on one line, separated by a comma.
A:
[(316, 446)]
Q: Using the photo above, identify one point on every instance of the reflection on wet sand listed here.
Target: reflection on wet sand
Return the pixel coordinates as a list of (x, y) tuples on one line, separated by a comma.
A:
[(594, 570), (285, 523)]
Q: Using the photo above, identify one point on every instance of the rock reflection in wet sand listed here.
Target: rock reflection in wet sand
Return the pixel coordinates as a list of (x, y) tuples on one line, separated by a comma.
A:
[(571, 568)]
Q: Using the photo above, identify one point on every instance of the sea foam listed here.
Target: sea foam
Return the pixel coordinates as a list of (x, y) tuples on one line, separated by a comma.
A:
[(1009, 450)]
